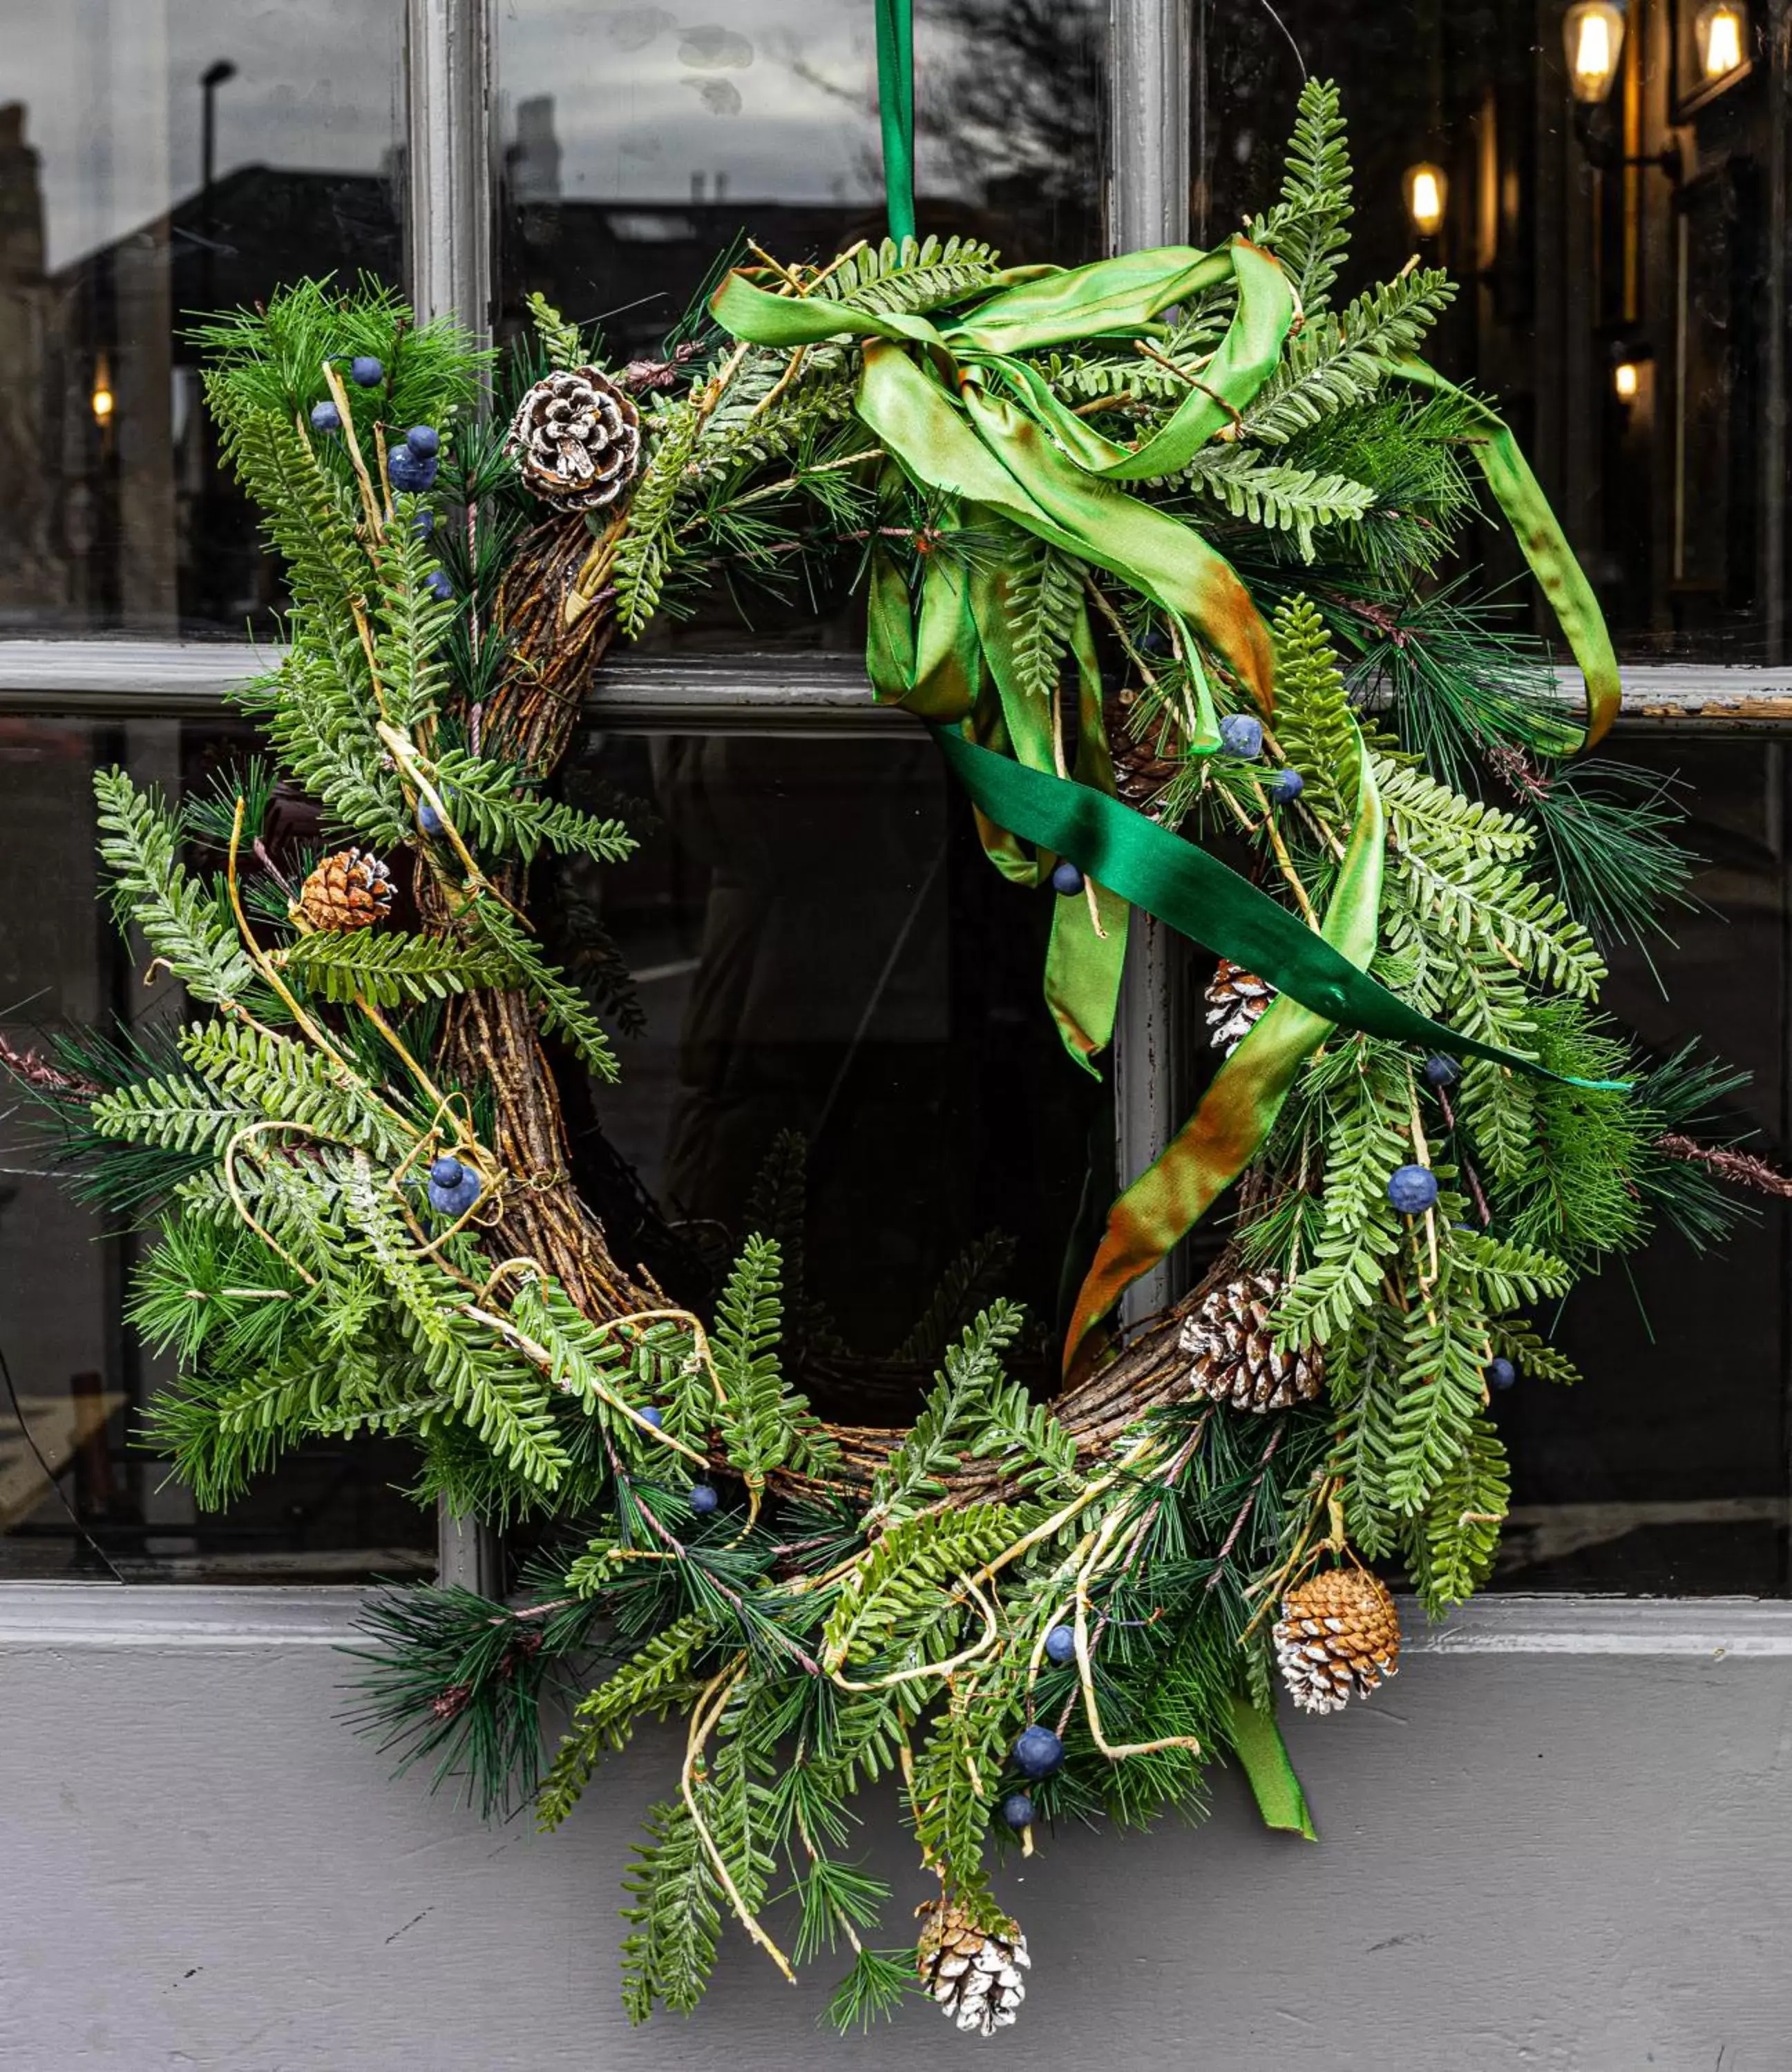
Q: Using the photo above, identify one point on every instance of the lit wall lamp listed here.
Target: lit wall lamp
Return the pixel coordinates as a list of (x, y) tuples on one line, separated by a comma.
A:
[(1593, 40), (1426, 189), (1720, 31), (1716, 56), (1593, 36), (102, 402)]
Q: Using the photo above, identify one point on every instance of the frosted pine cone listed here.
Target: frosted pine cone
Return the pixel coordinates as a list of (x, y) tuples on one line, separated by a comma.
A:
[(1236, 999), (578, 438), (1338, 1636), (350, 890), (974, 1977), (1233, 1358)]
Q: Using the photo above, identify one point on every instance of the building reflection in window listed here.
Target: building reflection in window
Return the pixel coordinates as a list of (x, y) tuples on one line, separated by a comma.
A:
[(159, 158)]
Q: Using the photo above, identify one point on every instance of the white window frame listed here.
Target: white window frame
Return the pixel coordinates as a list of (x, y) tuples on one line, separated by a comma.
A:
[(452, 144)]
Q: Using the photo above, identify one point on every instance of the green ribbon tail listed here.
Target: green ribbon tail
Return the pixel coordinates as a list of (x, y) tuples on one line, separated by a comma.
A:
[(895, 108), (1263, 1756), (1239, 1108), (1545, 547)]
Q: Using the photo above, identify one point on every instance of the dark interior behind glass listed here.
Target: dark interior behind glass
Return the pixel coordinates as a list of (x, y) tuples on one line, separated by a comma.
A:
[(1622, 290)]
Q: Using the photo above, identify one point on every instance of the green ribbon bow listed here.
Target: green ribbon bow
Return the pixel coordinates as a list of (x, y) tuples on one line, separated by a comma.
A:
[(953, 402)]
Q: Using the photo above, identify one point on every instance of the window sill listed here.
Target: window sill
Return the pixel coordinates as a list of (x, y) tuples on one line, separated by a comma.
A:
[(747, 692), (36, 1616)]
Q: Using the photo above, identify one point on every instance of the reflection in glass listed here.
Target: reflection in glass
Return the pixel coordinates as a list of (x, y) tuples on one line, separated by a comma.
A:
[(1605, 201), (818, 946), (159, 158), (329, 1512)]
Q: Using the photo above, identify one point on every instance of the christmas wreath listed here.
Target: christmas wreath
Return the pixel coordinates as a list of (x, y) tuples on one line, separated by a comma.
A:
[(1157, 548)]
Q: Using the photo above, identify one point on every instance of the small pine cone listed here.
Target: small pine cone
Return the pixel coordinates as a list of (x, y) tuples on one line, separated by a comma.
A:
[(349, 890), (1233, 1358), (578, 437), (1338, 1636), (1236, 999), (974, 1977), (1141, 774)]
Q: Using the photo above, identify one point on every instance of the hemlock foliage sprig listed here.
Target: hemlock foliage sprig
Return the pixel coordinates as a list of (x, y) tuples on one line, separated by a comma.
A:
[(1074, 1598)]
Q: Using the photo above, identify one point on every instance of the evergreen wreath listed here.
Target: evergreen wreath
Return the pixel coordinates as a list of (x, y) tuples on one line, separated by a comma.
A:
[(1018, 1612)]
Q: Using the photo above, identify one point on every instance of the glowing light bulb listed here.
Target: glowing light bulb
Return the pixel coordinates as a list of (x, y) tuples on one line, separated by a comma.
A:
[(102, 402), (1426, 189), (1592, 54), (1625, 378), (1592, 38), (1719, 29)]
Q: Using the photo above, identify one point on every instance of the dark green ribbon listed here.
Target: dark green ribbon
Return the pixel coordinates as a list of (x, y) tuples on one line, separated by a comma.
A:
[(1208, 902)]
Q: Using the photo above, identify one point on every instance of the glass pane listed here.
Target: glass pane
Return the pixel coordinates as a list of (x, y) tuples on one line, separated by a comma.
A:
[(77, 1376), (1628, 317), (818, 946), (160, 158), (638, 148), (1666, 1470)]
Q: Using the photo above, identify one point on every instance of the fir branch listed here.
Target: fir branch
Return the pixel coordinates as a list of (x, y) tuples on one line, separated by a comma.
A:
[(493, 809), (1306, 228), (1339, 363), (910, 279), (950, 1421), (676, 1918), (1275, 497), (561, 342), (1045, 604), (654, 1680), (389, 969), (139, 842)]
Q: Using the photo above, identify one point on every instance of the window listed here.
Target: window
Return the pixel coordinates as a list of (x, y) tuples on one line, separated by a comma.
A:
[(158, 159), (1620, 292)]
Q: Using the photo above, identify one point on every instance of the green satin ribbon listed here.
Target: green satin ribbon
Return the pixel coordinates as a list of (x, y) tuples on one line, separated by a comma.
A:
[(968, 419), (1262, 1755), (1322, 980), (1209, 903), (954, 659), (895, 99)]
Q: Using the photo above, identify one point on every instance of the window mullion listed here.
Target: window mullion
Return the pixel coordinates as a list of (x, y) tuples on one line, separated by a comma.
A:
[(1148, 206), (448, 146)]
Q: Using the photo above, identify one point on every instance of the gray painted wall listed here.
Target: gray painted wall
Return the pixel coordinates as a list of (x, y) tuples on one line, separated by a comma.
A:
[(1565, 1846)]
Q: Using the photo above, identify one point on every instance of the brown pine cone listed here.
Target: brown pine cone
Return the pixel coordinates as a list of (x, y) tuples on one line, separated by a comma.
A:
[(974, 1977), (1233, 1358), (1338, 1636), (1141, 774), (350, 890), (577, 437)]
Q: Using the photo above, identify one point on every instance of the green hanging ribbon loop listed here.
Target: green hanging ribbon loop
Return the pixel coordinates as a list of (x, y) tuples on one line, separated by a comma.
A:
[(895, 108)]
